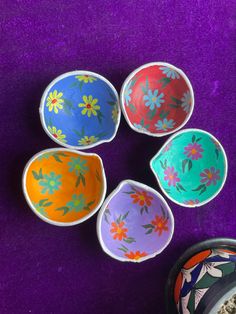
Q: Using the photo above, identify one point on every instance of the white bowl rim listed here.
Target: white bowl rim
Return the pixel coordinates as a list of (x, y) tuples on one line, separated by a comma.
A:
[(127, 80), (166, 143), (103, 208), (50, 221), (71, 73)]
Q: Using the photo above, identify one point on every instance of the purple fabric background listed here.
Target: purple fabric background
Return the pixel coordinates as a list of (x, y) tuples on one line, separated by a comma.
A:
[(47, 269)]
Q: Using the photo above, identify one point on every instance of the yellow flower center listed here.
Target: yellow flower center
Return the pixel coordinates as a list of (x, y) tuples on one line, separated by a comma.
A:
[(76, 203), (142, 198), (119, 230), (136, 257), (88, 106), (164, 126), (171, 176), (193, 151), (209, 175), (52, 183), (54, 101), (154, 99)]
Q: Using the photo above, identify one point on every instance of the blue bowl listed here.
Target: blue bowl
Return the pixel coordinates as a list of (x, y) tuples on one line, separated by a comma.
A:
[(80, 110)]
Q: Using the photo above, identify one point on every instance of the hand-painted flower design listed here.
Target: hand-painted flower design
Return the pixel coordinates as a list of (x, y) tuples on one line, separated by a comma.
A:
[(210, 176), (77, 203), (186, 101), (191, 202), (170, 73), (119, 230), (87, 140), (160, 224), (139, 127), (127, 93), (54, 101), (50, 183), (78, 165), (89, 105), (193, 151), (135, 255), (142, 198), (167, 147), (57, 134), (115, 114), (86, 78), (153, 99), (165, 124), (171, 176)]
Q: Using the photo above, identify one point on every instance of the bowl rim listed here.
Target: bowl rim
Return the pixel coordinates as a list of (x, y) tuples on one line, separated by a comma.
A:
[(50, 221), (71, 73), (129, 77), (166, 143), (103, 208), (221, 242)]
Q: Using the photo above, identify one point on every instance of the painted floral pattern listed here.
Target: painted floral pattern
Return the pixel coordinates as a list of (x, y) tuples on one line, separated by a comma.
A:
[(132, 233), (159, 94), (55, 101), (77, 102), (198, 274), (86, 140), (57, 134), (188, 168), (61, 186)]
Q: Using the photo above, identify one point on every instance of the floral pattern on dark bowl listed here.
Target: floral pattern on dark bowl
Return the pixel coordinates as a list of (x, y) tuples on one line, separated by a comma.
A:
[(202, 276), (191, 167), (64, 187), (135, 223), (80, 110), (157, 99)]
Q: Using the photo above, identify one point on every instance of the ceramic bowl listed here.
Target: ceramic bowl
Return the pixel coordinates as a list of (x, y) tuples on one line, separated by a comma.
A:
[(191, 167), (80, 110), (135, 223), (64, 187), (157, 99), (202, 278)]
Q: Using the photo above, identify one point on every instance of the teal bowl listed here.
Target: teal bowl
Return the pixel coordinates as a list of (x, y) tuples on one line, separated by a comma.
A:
[(191, 167)]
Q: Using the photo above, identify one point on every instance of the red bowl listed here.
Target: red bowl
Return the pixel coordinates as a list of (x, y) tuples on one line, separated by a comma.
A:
[(157, 99)]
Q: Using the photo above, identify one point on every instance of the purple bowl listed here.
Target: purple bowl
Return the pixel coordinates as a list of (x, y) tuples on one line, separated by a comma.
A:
[(135, 223)]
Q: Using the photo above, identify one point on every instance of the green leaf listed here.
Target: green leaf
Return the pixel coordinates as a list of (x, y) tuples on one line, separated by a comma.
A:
[(102, 134), (129, 240), (174, 106), (125, 215), (90, 203), (81, 85), (149, 231), (190, 164), (177, 101), (65, 209), (37, 176), (112, 95), (147, 85), (164, 114), (178, 189), (77, 181), (146, 209), (100, 116), (163, 212), (144, 90), (118, 220), (181, 187), (141, 210), (151, 114), (142, 122), (130, 192), (165, 81), (98, 176), (199, 187), (193, 138), (148, 226), (123, 248), (217, 153), (198, 139), (41, 202), (61, 154), (203, 190), (47, 204), (132, 108), (82, 179), (111, 103), (184, 163), (163, 166), (74, 84), (57, 158)]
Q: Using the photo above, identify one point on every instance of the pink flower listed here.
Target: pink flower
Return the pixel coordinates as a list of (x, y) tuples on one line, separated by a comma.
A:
[(171, 176), (210, 176), (167, 147), (193, 151), (191, 202)]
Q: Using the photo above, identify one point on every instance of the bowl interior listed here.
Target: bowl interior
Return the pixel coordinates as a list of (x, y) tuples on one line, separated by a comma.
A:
[(191, 167), (63, 186), (157, 99), (199, 274), (80, 109), (135, 223)]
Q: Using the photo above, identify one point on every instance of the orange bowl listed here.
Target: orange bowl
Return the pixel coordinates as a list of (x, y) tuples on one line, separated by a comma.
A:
[(64, 187)]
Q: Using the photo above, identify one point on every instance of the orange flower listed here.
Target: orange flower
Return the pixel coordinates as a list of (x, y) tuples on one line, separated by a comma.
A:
[(135, 255), (119, 231), (160, 224), (141, 198)]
